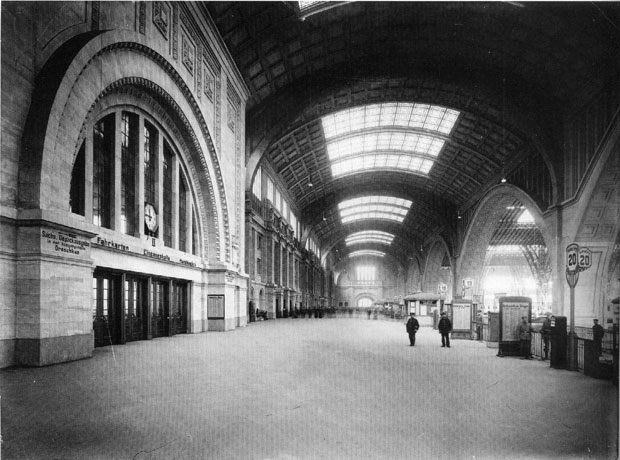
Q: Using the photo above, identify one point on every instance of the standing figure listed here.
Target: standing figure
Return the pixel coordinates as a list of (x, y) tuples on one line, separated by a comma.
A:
[(524, 332), (445, 327), (412, 328), (597, 334), (545, 332)]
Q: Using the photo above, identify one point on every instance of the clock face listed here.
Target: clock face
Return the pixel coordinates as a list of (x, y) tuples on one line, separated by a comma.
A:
[(150, 217)]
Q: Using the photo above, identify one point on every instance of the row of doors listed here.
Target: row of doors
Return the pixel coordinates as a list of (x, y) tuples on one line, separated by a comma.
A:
[(128, 307)]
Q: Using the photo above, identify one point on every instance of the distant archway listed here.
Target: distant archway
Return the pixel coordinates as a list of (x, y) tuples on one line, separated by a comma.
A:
[(365, 302)]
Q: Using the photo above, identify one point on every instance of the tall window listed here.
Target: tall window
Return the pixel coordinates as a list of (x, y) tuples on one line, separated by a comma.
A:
[(256, 187), (182, 213), (167, 204), (117, 143), (194, 234), (103, 171), (129, 154), (77, 192), (365, 272), (270, 190), (150, 170)]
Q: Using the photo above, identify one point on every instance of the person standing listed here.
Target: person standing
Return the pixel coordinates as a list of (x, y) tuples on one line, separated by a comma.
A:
[(524, 331), (545, 332), (445, 327), (597, 335), (412, 328)]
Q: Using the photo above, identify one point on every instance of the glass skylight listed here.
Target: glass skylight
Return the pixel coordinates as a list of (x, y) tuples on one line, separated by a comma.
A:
[(385, 141), (369, 236), (404, 114), (367, 252), (382, 137), (374, 207), (526, 218), (381, 161)]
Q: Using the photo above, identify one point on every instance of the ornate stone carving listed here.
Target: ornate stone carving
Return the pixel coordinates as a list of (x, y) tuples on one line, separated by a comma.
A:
[(161, 17)]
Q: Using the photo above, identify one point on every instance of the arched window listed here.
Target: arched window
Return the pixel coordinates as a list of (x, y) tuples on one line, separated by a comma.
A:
[(139, 181)]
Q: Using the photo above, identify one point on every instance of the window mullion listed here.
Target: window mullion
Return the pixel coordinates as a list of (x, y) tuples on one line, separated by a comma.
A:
[(159, 187), (116, 174), (88, 177), (140, 160), (175, 202)]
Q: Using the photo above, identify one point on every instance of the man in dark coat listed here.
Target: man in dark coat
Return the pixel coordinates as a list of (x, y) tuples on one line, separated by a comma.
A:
[(412, 328), (445, 327), (597, 335), (524, 331), (545, 332)]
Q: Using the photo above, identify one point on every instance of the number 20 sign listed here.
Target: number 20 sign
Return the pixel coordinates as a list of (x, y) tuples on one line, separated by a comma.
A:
[(577, 259), (572, 263)]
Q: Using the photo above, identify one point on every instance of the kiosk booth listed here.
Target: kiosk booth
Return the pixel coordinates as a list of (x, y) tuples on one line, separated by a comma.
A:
[(424, 305)]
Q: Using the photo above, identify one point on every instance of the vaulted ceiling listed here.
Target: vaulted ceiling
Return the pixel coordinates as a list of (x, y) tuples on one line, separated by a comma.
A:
[(512, 71)]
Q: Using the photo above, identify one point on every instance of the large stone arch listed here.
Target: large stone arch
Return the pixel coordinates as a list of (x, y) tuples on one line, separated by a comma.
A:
[(491, 208), (51, 141), (595, 224), (434, 270)]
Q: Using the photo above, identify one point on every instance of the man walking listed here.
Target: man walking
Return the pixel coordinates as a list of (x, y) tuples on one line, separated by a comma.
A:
[(412, 328), (445, 327)]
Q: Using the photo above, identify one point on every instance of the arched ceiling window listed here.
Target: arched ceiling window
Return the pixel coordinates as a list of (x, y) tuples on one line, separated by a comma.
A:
[(388, 136), (369, 236), (374, 207), (366, 253)]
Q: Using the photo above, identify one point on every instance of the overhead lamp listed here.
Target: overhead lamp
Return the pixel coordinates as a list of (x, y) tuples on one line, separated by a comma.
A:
[(503, 180)]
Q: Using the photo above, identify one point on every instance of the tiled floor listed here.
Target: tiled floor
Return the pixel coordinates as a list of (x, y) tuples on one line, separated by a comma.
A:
[(306, 389)]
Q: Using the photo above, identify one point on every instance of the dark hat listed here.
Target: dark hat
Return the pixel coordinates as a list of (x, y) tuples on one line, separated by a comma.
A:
[(412, 314), (443, 313), (596, 320)]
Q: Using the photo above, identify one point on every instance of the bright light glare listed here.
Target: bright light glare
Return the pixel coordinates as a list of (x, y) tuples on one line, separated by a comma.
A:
[(525, 218)]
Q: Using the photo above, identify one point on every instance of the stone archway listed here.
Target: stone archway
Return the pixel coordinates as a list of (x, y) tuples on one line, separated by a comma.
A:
[(438, 268), (495, 223), (51, 144)]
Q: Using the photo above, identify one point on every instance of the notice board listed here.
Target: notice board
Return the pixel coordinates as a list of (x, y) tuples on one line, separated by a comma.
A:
[(461, 315), (511, 310)]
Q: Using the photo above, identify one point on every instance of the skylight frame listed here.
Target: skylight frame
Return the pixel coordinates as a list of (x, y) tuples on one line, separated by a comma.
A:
[(433, 118), (374, 207), (367, 253), (369, 236), (389, 136)]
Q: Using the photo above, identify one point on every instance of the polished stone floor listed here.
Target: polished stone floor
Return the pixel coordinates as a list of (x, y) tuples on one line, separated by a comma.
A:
[(302, 389)]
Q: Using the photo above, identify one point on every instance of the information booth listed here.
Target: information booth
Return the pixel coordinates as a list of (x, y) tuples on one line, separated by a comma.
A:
[(424, 305), (511, 310)]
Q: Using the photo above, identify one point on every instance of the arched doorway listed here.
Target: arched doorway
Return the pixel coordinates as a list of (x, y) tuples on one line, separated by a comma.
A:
[(365, 302)]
